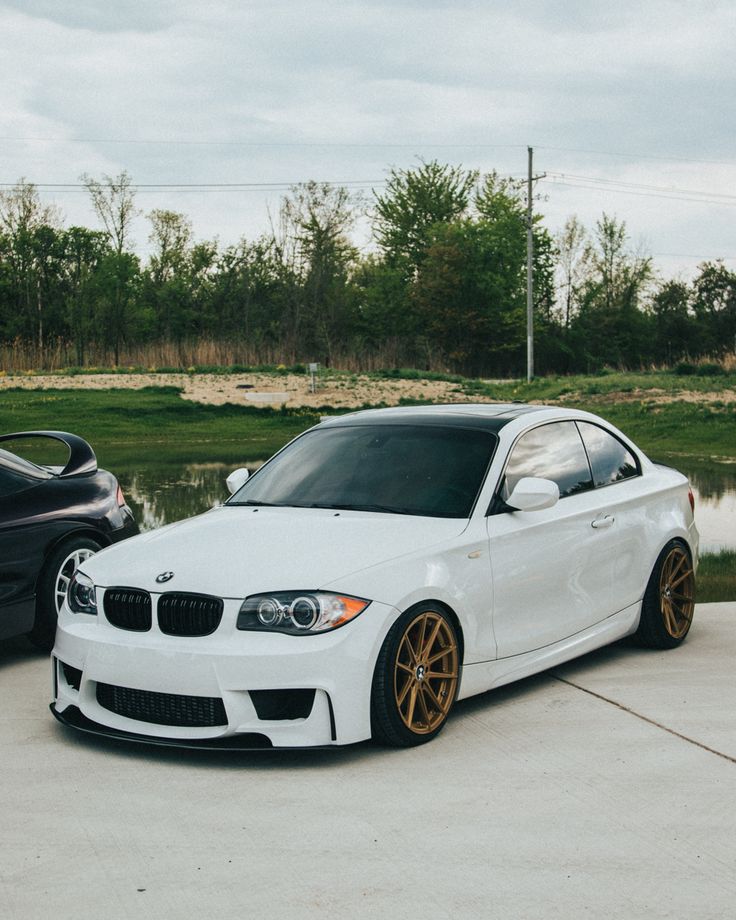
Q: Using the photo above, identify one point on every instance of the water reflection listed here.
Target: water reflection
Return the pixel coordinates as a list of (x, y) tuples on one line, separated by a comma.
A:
[(161, 494), (714, 486)]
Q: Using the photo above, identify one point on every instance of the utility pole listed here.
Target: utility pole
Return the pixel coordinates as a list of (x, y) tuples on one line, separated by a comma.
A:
[(530, 268), (529, 274)]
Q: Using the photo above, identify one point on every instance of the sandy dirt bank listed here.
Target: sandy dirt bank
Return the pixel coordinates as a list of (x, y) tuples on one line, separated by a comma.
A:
[(338, 391), (257, 389)]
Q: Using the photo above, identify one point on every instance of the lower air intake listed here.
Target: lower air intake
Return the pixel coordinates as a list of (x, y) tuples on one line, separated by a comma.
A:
[(162, 708)]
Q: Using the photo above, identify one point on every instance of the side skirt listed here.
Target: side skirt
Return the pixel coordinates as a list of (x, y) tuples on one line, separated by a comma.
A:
[(477, 678)]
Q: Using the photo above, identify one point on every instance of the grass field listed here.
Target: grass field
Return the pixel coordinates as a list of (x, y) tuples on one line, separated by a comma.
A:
[(123, 424), (717, 577)]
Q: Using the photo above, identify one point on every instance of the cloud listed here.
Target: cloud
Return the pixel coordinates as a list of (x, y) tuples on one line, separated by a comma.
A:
[(213, 84), (120, 16)]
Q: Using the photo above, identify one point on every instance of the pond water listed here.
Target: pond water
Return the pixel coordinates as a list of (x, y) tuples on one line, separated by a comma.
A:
[(163, 494)]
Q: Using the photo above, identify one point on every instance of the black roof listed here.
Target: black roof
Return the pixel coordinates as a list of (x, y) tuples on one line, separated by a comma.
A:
[(484, 416)]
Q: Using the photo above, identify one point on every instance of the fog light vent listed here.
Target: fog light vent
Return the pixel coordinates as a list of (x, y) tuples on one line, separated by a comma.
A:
[(277, 705), (73, 676)]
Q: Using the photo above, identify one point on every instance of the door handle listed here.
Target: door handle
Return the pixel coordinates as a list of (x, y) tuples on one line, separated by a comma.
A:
[(600, 522)]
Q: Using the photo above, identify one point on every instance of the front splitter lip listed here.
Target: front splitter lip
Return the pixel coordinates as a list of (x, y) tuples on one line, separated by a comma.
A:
[(251, 741)]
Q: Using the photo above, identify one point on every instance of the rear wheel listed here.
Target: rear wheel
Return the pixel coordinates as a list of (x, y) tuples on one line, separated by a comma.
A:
[(669, 600), (416, 678), (53, 583)]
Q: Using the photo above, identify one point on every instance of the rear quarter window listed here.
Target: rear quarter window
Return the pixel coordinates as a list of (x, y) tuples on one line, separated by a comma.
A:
[(610, 460)]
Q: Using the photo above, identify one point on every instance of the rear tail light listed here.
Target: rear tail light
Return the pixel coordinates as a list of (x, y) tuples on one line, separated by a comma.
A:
[(120, 497), (691, 499)]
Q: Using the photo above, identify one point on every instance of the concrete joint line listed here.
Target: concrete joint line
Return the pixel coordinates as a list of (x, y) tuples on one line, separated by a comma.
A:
[(638, 715)]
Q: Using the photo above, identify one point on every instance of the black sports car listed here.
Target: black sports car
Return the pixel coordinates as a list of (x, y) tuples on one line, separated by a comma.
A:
[(51, 519)]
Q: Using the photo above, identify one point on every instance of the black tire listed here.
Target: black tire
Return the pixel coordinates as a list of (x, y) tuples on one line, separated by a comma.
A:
[(669, 600), (416, 678), (58, 566)]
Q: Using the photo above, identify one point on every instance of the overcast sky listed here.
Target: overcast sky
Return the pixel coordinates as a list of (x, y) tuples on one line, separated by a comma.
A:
[(635, 94)]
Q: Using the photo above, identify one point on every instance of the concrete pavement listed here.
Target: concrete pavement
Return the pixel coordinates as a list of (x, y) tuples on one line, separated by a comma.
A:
[(603, 789)]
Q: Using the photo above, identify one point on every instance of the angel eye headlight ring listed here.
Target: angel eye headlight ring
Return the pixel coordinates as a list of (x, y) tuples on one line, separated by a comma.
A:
[(298, 612)]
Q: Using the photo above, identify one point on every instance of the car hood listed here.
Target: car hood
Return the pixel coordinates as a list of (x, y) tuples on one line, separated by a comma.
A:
[(237, 551)]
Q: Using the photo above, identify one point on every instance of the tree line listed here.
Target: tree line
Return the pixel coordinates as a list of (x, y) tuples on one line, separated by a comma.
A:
[(442, 286)]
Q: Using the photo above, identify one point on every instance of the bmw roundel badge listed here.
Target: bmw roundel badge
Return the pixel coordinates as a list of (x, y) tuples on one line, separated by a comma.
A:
[(164, 576)]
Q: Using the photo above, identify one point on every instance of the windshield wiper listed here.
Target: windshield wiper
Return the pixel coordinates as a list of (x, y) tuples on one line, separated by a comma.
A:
[(256, 503), (389, 509)]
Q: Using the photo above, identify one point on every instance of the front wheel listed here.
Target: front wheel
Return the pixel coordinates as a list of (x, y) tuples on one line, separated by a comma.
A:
[(669, 600), (53, 584), (416, 678)]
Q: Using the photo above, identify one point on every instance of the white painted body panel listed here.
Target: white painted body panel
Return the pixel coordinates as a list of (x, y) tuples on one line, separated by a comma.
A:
[(235, 551), (529, 590)]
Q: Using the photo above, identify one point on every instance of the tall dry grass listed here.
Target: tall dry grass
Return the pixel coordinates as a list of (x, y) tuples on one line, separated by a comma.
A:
[(20, 357)]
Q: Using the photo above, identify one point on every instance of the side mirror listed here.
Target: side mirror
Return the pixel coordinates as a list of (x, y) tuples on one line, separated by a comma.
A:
[(532, 494), (236, 479)]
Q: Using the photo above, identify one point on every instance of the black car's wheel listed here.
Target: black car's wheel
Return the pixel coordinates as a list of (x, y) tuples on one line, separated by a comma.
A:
[(53, 584), (669, 600), (416, 678)]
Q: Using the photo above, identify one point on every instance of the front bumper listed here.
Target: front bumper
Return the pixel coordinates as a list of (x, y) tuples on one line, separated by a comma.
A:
[(226, 666)]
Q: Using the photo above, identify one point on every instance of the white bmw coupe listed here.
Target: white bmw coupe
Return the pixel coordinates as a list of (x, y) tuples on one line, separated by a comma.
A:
[(381, 566)]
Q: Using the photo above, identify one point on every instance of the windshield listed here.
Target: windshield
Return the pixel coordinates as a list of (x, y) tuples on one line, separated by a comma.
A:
[(401, 469)]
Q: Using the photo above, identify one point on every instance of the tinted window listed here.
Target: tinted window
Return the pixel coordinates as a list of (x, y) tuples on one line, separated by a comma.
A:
[(12, 482), (554, 452), (424, 470), (609, 459)]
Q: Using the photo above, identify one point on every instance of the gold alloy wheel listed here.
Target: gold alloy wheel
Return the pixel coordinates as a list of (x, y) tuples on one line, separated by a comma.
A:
[(677, 592), (425, 676)]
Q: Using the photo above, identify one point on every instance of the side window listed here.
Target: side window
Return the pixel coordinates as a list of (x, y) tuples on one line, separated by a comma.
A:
[(609, 459), (12, 482), (552, 451)]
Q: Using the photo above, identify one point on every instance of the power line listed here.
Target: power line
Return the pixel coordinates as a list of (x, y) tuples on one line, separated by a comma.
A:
[(623, 184), (571, 180), (378, 145), (689, 255), (203, 185), (625, 191), (638, 156), (202, 188)]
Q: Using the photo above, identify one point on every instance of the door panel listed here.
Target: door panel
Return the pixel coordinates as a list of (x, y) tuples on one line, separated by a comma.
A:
[(552, 573)]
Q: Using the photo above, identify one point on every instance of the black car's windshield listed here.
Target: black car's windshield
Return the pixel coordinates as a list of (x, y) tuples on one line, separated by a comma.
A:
[(402, 469)]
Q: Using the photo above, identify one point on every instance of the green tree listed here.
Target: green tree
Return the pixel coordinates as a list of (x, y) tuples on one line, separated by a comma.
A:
[(84, 251), (574, 258), (470, 297), (612, 327), (413, 203), (714, 305), (165, 281), (28, 232), (674, 326), (316, 220), (113, 200)]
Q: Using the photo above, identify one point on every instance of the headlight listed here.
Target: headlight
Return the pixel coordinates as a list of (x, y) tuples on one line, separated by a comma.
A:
[(81, 594), (298, 612)]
